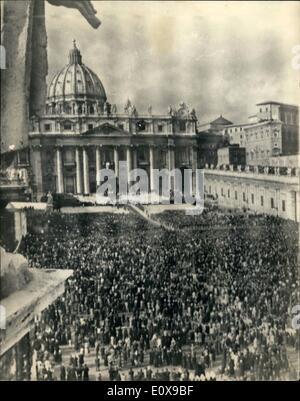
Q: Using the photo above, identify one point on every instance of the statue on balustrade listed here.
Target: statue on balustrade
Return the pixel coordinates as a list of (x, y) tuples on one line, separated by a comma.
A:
[(114, 109), (107, 108), (171, 111), (127, 106), (133, 111), (193, 114)]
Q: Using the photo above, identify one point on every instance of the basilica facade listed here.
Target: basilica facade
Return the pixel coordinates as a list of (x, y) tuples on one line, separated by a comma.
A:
[(81, 133)]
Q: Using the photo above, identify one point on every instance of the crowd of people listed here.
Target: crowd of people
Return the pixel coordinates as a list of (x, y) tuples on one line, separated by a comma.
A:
[(214, 295)]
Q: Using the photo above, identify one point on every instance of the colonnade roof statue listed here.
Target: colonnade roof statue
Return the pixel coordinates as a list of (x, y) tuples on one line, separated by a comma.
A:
[(23, 82)]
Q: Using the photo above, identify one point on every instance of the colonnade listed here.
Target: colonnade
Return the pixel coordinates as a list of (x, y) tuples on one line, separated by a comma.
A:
[(83, 165)]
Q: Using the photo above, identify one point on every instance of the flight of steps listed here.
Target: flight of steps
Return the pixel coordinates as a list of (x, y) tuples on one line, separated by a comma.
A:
[(138, 209)]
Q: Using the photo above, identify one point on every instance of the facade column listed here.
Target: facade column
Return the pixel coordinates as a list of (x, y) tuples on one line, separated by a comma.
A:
[(151, 160), (171, 165), (128, 159), (86, 177), (98, 166), (171, 158), (116, 161), (78, 172), (60, 175), (134, 158), (297, 213), (194, 163)]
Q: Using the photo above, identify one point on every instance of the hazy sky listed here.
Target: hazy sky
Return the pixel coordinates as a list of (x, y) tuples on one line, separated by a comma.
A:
[(218, 57)]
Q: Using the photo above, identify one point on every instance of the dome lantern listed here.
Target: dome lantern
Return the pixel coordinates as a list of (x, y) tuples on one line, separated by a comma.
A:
[(75, 55)]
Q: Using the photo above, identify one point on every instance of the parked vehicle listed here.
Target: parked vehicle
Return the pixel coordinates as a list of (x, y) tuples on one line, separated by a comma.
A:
[(68, 200)]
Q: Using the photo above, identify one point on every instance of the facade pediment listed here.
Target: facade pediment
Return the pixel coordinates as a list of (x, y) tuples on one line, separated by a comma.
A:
[(105, 129)]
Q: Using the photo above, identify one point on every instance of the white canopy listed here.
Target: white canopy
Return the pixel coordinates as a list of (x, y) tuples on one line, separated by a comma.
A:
[(25, 205)]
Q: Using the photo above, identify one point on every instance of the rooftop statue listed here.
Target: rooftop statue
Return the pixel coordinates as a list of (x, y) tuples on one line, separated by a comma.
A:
[(23, 81), (114, 109), (127, 106)]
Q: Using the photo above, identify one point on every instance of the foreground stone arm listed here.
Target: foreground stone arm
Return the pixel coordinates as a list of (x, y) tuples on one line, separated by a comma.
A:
[(23, 82), (85, 7)]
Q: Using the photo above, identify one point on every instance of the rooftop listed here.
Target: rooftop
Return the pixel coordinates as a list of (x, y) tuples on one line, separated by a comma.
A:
[(276, 103), (238, 125), (221, 121), (26, 205)]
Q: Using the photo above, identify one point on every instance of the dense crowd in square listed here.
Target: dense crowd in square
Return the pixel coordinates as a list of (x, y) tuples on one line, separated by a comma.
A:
[(208, 301)]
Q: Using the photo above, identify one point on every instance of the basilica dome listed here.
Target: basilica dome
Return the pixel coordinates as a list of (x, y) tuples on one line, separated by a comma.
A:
[(76, 83)]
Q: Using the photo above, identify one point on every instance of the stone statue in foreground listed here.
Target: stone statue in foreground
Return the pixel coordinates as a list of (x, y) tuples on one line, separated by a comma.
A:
[(23, 81)]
